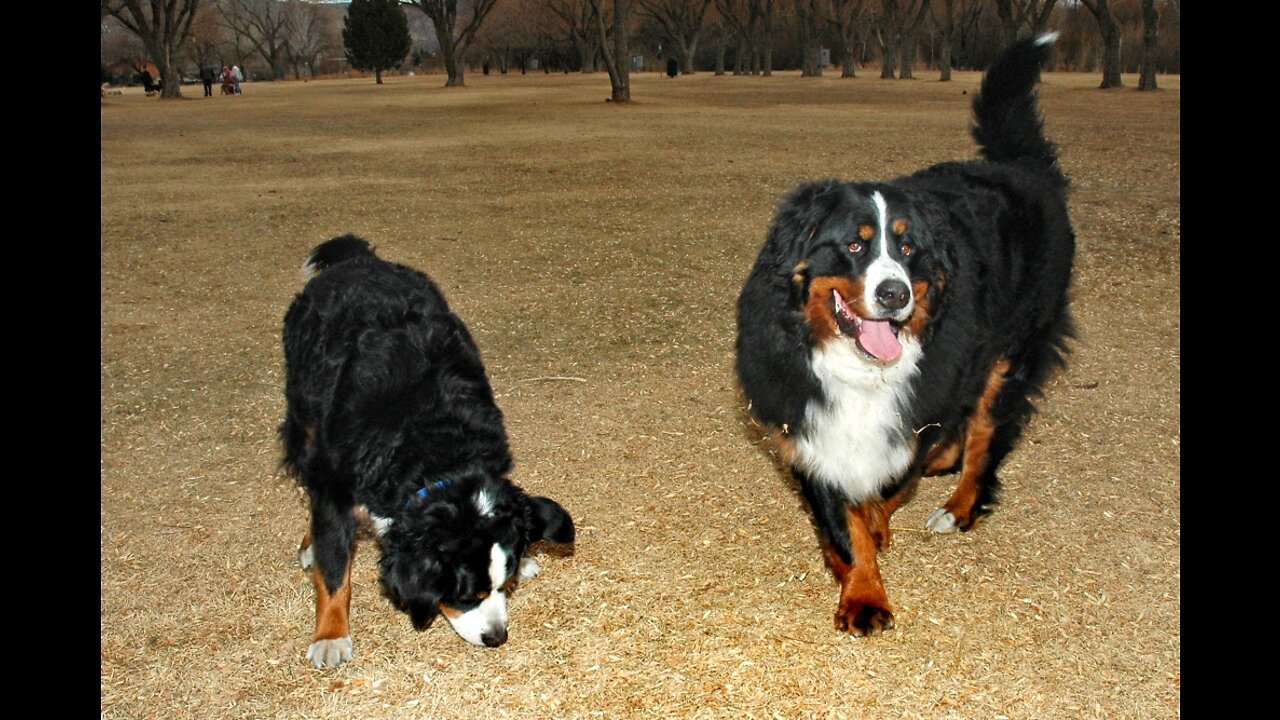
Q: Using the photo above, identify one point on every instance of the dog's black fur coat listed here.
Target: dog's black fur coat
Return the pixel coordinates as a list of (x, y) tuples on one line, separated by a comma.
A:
[(389, 407)]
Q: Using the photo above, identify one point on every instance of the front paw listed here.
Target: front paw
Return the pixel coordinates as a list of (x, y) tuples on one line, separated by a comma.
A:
[(942, 522), (528, 569), (863, 619), (330, 653)]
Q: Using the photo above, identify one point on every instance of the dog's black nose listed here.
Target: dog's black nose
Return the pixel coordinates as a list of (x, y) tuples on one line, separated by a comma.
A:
[(494, 638), (893, 294)]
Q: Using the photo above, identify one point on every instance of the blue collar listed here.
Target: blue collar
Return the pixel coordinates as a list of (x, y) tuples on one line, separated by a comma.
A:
[(423, 492)]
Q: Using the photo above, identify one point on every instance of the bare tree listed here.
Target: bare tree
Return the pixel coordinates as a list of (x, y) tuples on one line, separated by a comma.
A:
[(120, 47), (1110, 31), (720, 32), (1150, 31), (202, 45), (681, 24), (737, 17), (311, 32), (1014, 14), (808, 14), (912, 22), (523, 29), (265, 25), (751, 22), (455, 29), (765, 36), (846, 16), (162, 25), (615, 43), (899, 22), (947, 31), (577, 19), (887, 34)]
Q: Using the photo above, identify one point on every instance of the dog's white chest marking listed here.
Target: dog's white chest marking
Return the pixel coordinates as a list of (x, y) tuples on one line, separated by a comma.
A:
[(855, 439)]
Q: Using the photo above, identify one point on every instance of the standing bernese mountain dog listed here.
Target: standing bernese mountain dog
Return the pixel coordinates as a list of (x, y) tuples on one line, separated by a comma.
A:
[(892, 330), (390, 419)]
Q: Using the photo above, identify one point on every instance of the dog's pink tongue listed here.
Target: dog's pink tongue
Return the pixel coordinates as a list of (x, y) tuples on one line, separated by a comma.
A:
[(877, 338)]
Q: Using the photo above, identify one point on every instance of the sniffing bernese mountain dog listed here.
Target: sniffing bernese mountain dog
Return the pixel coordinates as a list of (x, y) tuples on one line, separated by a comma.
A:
[(893, 330), (390, 419)]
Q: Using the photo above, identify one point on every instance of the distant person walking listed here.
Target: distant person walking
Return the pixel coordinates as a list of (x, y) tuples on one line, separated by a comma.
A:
[(236, 77), (228, 85), (206, 77), (148, 84), (673, 67)]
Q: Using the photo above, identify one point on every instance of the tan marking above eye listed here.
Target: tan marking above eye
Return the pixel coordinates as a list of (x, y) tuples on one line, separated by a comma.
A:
[(483, 594), (899, 226), (866, 232)]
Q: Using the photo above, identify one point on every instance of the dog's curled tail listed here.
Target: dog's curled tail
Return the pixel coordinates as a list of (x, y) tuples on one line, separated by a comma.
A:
[(331, 252), (1007, 123)]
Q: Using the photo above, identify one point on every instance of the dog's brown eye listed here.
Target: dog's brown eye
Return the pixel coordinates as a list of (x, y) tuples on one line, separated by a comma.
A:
[(855, 247), (906, 250)]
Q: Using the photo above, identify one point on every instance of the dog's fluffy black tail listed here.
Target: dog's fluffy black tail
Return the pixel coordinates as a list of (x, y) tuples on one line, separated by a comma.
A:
[(1007, 123), (331, 252)]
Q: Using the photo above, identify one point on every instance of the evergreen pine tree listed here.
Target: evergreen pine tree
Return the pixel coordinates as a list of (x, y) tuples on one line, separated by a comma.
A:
[(376, 35)]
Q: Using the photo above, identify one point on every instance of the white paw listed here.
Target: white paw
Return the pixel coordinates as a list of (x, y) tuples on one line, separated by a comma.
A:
[(941, 522), (528, 568), (306, 556), (330, 653)]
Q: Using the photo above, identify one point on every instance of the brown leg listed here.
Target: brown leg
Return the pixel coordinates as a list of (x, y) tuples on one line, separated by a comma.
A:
[(877, 515), (976, 442), (332, 640), (942, 459), (864, 606)]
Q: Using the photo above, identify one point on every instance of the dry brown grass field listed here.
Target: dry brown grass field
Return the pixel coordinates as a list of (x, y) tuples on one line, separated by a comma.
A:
[(596, 252)]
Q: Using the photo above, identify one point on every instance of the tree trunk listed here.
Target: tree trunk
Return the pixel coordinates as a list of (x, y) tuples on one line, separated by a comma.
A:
[(721, 47), (455, 69), (1150, 23), (850, 60), (1110, 32), (810, 59), (621, 84), (888, 54), (948, 32), (686, 53), (169, 76), (908, 45), (1110, 54), (161, 31), (767, 25), (617, 54), (1007, 23)]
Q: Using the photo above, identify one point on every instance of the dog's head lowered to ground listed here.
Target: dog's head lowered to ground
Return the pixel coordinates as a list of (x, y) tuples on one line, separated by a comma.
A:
[(391, 419)]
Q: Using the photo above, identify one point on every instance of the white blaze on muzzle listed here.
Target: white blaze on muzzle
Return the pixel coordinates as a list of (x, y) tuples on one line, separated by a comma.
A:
[(884, 268), (486, 624)]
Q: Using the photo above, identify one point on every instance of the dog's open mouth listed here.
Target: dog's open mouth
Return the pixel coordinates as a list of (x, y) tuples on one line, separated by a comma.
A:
[(877, 338)]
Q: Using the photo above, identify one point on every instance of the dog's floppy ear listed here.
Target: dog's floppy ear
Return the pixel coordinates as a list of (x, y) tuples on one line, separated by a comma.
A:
[(549, 521), (796, 221), (415, 585)]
